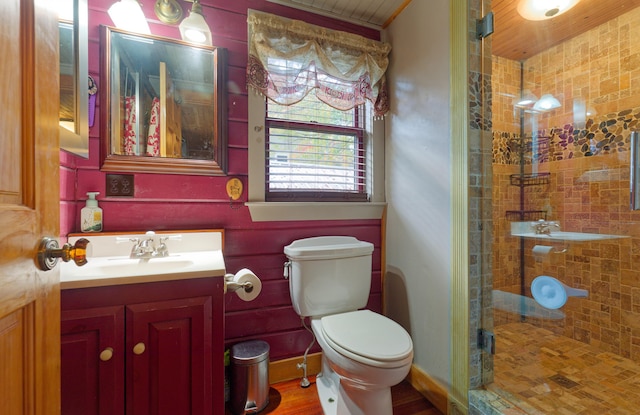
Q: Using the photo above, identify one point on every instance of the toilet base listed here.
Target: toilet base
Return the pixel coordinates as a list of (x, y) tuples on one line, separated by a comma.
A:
[(328, 392), (342, 397)]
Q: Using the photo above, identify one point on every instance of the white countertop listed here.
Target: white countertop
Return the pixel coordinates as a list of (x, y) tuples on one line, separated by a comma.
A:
[(194, 255)]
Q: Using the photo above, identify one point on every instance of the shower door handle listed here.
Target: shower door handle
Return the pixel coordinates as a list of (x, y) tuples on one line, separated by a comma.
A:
[(634, 176)]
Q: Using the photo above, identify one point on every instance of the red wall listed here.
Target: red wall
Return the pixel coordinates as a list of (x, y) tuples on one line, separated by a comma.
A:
[(198, 202)]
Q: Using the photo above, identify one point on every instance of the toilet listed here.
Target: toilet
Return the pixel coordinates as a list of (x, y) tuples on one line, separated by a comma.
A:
[(363, 353)]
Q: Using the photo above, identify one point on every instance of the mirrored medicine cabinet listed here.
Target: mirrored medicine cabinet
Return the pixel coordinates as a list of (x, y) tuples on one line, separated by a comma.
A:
[(163, 105), (74, 77)]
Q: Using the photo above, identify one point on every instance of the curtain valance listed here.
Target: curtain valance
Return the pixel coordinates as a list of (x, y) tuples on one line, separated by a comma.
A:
[(289, 58)]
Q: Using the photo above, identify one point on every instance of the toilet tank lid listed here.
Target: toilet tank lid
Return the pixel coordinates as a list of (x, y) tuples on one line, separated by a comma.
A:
[(327, 247)]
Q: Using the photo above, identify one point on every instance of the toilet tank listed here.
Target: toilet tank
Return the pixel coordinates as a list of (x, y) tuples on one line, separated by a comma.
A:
[(329, 274)]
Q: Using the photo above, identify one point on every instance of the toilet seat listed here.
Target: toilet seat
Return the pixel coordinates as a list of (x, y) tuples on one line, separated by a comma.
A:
[(368, 338)]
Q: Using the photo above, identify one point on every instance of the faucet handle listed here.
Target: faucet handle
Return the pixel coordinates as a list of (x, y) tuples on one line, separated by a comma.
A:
[(162, 249), (121, 239)]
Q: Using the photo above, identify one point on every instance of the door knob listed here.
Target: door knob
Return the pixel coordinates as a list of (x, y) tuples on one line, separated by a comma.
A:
[(49, 252), (106, 354), (139, 348)]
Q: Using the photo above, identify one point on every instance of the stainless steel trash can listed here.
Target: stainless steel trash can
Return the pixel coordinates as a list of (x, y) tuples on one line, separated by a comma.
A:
[(249, 377)]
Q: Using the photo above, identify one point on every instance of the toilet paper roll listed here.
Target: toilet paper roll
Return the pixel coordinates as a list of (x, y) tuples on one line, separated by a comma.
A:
[(243, 276), (541, 251)]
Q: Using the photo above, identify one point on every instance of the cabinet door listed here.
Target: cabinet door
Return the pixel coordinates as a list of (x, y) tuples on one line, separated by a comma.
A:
[(169, 362), (92, 361)]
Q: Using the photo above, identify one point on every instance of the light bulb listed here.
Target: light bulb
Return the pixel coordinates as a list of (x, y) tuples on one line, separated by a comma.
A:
[(194, 28), (544, 9)]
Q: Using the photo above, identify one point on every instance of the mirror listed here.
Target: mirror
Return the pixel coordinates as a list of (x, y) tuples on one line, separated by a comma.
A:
[(163, 107), (74, 74)]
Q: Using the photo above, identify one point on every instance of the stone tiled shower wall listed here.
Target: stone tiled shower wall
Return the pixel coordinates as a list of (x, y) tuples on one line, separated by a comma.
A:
[(587, 158)]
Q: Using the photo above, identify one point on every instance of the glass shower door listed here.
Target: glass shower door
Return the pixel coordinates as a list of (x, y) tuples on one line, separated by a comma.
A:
[(564, 303)]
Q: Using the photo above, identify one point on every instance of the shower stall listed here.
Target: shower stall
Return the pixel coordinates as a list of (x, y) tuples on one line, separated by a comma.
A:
[(563, 303)]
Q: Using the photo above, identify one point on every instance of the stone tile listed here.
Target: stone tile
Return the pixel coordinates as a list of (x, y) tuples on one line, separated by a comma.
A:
[(543, 373)]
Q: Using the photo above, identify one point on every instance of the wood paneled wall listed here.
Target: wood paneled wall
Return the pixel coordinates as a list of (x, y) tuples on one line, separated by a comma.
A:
[(197, 202)]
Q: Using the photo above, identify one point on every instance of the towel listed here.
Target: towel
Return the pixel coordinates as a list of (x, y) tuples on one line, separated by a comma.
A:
[(153, 137)]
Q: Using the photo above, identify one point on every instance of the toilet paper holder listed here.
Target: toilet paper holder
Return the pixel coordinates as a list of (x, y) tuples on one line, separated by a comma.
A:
[(244, 283), (542, 250), (233, 286)]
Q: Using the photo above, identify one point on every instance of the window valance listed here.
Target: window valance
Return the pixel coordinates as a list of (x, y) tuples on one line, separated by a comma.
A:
[(289, 58)]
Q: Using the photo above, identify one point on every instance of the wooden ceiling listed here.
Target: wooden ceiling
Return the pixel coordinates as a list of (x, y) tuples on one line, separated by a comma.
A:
[(518, 39), (370, 13), (514, 37)]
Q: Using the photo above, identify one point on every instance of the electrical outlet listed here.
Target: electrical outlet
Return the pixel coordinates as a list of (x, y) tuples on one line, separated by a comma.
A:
[(120, 185)]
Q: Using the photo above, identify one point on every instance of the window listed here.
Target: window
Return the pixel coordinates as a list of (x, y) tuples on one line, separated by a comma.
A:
[(315, 125), (314, 152)]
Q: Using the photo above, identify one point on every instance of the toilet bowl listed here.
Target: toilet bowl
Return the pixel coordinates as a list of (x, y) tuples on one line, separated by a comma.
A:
[(363, 355)]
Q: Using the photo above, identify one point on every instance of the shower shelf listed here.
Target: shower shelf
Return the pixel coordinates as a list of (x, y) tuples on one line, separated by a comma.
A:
[(534, 179), (526, 215)]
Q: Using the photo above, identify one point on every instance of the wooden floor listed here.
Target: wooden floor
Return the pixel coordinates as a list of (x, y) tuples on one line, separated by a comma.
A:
[(288, 398)]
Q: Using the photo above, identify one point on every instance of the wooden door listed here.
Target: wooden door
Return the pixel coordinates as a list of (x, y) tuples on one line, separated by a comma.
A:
[(29, 208), (169, 357), (92, 352)]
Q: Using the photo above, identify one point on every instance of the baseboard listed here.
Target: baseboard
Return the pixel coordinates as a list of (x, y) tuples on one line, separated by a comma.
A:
[(287, 369), (429, 388)]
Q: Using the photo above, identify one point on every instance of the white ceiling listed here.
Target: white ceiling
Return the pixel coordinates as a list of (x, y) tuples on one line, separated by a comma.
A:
[(368, 13)]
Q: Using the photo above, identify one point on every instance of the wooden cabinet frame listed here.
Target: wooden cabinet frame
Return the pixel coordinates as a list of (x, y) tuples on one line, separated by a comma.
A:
[(181, 319)]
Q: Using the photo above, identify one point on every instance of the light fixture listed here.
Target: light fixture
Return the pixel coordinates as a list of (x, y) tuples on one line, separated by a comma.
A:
[(544, 9), (194, 28), (128, 15), (547, 102), (168, 11)]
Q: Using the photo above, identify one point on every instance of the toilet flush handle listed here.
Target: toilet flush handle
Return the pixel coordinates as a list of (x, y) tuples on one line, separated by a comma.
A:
[(287, 269)]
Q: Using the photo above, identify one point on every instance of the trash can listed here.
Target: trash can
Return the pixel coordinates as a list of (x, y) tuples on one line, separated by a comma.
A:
[(249, 377)]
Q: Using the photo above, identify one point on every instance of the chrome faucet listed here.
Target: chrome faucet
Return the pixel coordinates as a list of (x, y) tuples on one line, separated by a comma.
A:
[(543, 227), (146, 248)]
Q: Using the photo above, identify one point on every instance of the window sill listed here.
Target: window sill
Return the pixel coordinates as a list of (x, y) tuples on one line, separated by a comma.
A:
[(290, 211)]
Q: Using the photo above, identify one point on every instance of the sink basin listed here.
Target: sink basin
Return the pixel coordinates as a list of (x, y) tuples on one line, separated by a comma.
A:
[(126, 266), (192, 255)]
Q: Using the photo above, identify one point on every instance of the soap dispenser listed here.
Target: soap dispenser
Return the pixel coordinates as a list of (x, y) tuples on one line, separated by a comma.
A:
[(91, 214)]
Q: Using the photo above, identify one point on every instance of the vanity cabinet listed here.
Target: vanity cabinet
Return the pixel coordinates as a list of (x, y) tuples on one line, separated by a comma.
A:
[(152, 348), (92, 361)]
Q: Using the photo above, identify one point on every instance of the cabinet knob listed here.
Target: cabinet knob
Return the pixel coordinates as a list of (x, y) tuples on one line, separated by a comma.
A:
[(106, 354), (139, 348)]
